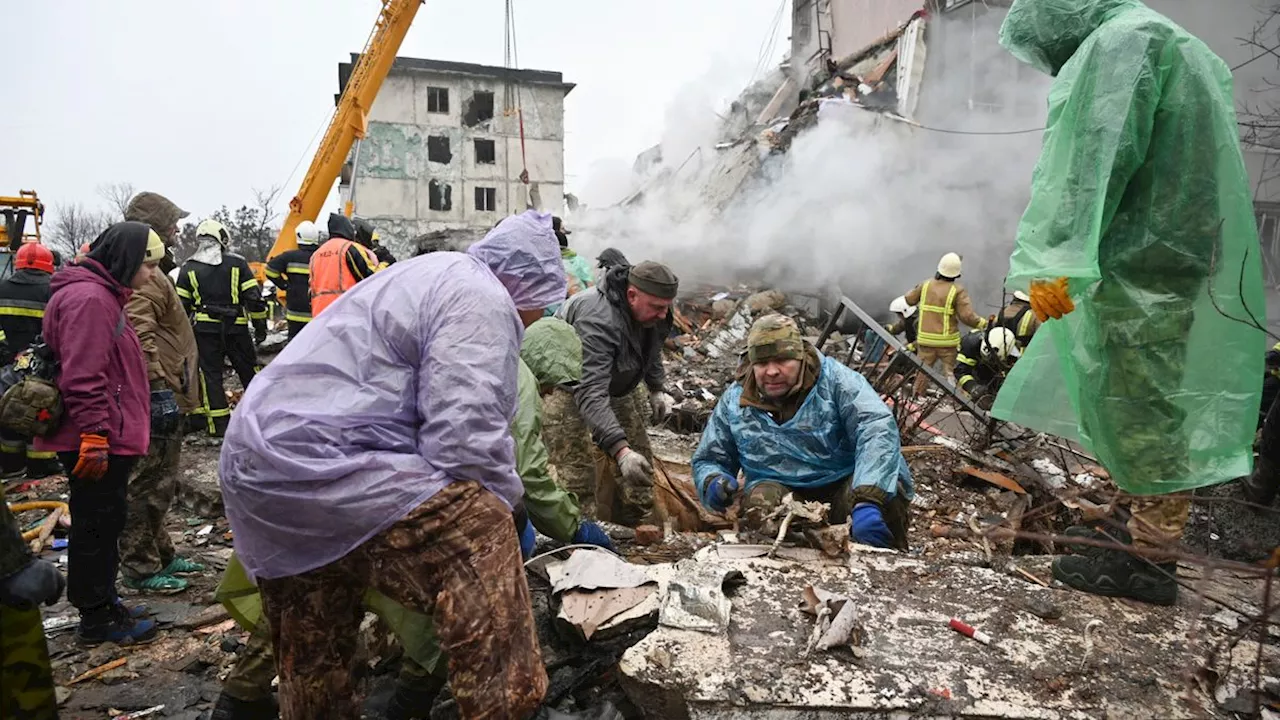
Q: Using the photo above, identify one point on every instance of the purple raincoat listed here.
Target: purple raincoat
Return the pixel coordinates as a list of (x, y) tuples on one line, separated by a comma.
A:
[(402, 386)]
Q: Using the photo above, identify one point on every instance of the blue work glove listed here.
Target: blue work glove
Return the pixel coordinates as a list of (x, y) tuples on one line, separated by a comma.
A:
[(718, 491), (527, 540), (589, 533), (869, 527)]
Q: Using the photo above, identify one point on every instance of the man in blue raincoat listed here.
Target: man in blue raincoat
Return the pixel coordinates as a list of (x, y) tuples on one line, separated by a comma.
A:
[(801, 423), (1138, 242)]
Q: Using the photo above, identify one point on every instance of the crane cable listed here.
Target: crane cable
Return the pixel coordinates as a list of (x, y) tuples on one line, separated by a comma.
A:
[(511, 61)]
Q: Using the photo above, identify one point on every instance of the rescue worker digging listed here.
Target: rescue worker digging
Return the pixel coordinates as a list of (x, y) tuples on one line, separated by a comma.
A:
[(943, 304), (983, 362), (1019, 317), (339, 264), (623, 324), (220, 292), (147, 557), (801, 423), (388, 463), (1139, 248), (908, 323), (291, 272), (23, 297)]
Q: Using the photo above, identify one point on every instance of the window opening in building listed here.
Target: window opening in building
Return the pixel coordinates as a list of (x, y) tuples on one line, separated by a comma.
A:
[(439, 196), (486, 152), (486, 199), (479, 109), (438, 149), (437, 100)]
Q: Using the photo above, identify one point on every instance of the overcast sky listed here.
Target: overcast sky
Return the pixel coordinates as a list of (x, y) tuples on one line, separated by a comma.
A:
[(204, 100)]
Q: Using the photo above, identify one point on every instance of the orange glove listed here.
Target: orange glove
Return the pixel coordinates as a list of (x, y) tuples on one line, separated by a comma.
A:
[(1049, 299), (93, 457)]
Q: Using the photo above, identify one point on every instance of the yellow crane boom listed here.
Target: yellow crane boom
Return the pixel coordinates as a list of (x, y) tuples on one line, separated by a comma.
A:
[(350, 119)]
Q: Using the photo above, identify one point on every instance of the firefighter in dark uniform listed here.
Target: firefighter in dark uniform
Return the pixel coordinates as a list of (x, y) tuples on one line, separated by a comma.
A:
[(291, 272), (23, 296), (984, 360), (367, 235), (1019, 317), (220, 292), (380, 251)]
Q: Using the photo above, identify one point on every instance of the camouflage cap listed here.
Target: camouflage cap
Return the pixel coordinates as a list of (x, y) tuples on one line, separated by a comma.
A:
[(773, 337)]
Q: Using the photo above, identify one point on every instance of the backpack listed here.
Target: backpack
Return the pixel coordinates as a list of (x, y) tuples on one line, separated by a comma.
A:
[(30, 403)]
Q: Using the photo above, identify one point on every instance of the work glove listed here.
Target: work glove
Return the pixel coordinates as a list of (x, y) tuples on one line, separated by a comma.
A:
[(718, 491), (868, 526), (38, 582), (661, 404), (1049, 299), (589, 533), (94, 452), (527, 540), (260, 331), (636, 471), (164, 412)]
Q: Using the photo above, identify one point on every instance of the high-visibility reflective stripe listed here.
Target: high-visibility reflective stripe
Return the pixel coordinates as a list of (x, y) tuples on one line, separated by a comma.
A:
[(203, 317), (297, 317), (40, 455), (182, 293), (967, 361), (258, 315), (22, 308), (1276, 347), (942, 339), (964, 380), (21, 312), (11, 449), (204, 404), (3, 337), (195, 286), (298, 269), (271, 273), (235, 286), (248, 285), (219, 412)]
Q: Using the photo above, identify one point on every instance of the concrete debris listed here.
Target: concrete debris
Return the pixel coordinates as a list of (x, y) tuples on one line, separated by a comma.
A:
[(587, 611), (766, 301), (593, 570), (836, 622), (695, 598)]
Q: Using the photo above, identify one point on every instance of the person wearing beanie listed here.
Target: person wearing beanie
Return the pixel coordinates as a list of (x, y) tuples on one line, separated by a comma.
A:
[(801, 423), (622, 324), (943, 305), (148, 560), (23, 296)]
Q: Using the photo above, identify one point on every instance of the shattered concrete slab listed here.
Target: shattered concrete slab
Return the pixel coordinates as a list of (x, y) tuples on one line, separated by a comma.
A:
[(910, 663)]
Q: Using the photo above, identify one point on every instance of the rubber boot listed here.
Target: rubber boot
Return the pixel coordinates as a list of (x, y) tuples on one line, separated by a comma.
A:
[(1260, 487), (1118, 574), (603, 711), (231, 708)]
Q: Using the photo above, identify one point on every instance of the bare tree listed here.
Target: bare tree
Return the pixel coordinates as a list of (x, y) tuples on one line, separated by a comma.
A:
[(117, 195), (72, 226)]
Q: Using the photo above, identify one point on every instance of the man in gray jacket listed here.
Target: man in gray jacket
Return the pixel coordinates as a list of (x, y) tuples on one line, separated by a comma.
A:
[(622, 323)]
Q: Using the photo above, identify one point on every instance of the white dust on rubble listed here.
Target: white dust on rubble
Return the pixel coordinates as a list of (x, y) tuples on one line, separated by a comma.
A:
[(860, 201)]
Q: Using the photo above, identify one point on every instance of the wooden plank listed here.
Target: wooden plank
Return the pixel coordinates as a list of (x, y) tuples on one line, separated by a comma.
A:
[(995, 478)]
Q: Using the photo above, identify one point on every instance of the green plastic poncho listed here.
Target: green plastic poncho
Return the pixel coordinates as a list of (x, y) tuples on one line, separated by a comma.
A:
[(549, 356), (1140, 179), (577, 266)]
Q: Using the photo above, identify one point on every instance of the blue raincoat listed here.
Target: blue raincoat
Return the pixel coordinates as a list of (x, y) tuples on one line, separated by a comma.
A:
[(843, 428), (404, 385)]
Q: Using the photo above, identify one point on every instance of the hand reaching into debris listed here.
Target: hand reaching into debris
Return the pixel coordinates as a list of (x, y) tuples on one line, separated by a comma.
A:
[(38, 582), (636, 471), (661, 404), (718, 491), (589, 533), (528, 538), (1049, 299), (868, 526)]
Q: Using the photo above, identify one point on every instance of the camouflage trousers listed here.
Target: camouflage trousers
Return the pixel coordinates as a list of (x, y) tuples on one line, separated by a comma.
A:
[(456, 558), (250, 678), (145, 547), (931, 357), (763, 498), (1157, 521), (26, 680), (588, 471)]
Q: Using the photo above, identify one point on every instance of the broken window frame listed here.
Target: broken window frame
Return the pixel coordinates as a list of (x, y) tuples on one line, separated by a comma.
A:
[(439, 196), (434, 154), (474, 113), (438, 100), (486, 199), (492, 155)]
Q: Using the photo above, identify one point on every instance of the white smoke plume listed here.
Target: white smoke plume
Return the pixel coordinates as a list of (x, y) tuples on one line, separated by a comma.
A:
[(860, 201)]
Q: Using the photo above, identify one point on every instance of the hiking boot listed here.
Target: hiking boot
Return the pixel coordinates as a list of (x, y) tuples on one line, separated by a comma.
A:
[(1118, 574), (1100, 533), (413, 700), (133, 611), (603, 711), (230, 708), (159, 583), (182, 566), (114, 624), (1260, 487)]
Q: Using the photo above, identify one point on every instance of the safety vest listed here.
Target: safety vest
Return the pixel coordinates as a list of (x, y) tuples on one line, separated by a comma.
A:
[(330, 276), (946, 311)]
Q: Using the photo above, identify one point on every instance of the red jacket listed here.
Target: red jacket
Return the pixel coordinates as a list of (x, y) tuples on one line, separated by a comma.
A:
[(102, 372)]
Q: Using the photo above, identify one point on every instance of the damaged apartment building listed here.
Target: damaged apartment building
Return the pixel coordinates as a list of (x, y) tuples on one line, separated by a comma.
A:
[(452, 148)]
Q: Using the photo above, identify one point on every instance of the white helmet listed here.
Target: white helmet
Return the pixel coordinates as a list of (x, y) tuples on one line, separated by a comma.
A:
[(215, 230), (1002, 342), (308, 233), (900, 306), (949, 266), (1019, 295)]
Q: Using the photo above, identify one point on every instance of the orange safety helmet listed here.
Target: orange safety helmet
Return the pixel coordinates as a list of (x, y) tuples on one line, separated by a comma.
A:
[(34, 256)]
